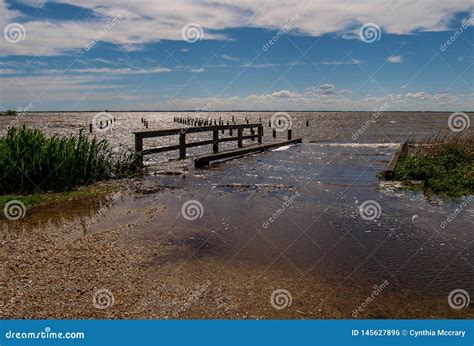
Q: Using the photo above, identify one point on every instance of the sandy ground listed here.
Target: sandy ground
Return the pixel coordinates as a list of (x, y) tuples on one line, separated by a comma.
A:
[(47, 273)]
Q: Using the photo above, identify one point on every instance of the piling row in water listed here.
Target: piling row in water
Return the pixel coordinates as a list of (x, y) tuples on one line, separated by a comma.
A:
[(197, 122), (194, 121), (103, 124)]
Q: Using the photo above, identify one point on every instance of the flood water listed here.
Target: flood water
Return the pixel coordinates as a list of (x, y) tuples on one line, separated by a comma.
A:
[(298, 207)]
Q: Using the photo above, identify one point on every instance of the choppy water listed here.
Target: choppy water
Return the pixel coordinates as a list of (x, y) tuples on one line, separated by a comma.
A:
[(324, 185), (386, 127)]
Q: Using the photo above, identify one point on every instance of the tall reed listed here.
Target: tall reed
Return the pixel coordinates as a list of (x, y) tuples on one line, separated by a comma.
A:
[(31, 161)]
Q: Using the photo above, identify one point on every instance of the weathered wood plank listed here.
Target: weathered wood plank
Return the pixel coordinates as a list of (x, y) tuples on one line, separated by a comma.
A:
[(393, 162), (204, 160)]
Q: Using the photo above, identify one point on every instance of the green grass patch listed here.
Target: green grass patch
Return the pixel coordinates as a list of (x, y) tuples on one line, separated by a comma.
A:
[(43, 199), (32, 162), (445, 163)]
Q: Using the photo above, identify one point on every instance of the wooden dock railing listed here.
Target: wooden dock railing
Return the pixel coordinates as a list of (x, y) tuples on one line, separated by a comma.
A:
[(182, 132)]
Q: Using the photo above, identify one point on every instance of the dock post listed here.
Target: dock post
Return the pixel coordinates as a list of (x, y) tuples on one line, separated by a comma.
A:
[(90, 128), (182, 144), (269, 123), (230, 131), (260, 134), (233, 120), (289, 134), (215, 141), (307, 123), (252, 133), (138, 149), (239, 137), (274, 133)]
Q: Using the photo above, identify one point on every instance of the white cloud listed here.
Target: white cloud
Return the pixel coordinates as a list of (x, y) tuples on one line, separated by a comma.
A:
[(144, 22), (7, 71), (230, 58), (325, 97), (395, 59), (127, 70), (349, 61), (91, 87)]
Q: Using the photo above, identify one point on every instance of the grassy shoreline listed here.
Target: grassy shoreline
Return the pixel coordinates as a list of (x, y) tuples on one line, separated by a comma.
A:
[(444, 162), (43, 199), (33, 162)]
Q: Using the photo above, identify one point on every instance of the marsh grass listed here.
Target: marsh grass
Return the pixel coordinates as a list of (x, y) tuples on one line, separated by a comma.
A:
[(443, 161), (32, 162), (9, 112)]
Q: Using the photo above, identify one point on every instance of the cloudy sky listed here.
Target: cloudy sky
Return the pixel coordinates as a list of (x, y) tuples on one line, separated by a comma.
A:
[(225, 55)]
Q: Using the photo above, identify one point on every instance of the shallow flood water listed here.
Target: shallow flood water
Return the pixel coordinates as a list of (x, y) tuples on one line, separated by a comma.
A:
[(293, 210), (299, 208)]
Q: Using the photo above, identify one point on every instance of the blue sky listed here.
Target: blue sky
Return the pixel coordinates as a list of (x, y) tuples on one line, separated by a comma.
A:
[(121, 55)]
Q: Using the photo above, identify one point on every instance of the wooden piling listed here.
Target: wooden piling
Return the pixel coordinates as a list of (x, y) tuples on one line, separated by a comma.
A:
[(215, 141), (182, 145), (138, 149)]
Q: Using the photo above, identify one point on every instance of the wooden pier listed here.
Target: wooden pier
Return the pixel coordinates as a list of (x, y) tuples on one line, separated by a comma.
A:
[(256, 133)]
